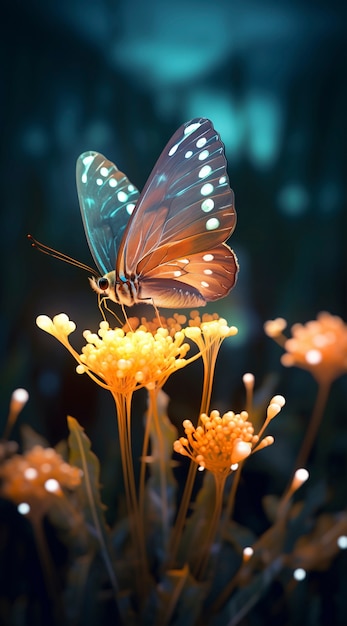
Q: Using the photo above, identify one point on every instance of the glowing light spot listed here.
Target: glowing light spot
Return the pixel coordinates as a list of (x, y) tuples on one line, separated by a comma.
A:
[(201, 142), (177, 273), (84, 178), (99, 181), (52, 485), (122, 196), (212, 223), (208, 258), (208, 272), (206, 189), (313, 357), (103, 171), (173, 149), (204, 284), (342, 542), (191, 128), (130, 207), (248, 552), (88, 159), (188, 154), (30, 473), (205, 171), (222, 180), (20, 395), (299, 574), (207, 205), (131, 188), (203, 155), (112, 182), (23, 508)]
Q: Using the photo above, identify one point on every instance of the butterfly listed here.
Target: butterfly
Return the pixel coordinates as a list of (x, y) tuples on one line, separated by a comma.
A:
[(165, 246)]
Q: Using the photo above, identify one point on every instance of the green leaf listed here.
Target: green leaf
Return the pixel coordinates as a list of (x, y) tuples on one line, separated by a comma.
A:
[(82, 456)]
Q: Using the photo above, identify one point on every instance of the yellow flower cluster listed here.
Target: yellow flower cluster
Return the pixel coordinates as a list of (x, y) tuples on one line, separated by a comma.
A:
[(36, 474), (123, 361), (219, 443), (319, 346)]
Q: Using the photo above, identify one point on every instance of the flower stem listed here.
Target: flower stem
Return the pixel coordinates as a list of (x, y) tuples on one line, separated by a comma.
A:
[(315, 421), (205, 550), (123, 404), (49, 573)]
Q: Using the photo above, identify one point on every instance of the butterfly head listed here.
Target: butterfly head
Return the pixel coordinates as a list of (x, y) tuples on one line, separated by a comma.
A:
[(104, 285)]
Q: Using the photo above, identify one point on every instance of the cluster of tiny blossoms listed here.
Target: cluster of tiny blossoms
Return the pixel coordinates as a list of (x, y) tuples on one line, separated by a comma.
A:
[(220, 443), (319, 346), (123, 361), (31, 477)]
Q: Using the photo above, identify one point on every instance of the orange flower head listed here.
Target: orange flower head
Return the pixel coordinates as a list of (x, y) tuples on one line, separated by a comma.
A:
[(37, 475), (319, 346), (220, 442)]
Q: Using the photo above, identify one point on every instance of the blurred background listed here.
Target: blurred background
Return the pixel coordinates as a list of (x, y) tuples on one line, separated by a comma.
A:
[(120, 77)]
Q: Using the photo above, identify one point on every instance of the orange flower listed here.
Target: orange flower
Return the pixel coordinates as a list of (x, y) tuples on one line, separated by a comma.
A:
[(38, 475), (219, 443), (319, 346)]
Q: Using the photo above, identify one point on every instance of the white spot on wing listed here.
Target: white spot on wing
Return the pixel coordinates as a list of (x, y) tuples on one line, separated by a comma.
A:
[(177, 273), (103, 171), (130, 207), (207, 205), (203, 155), (201, 142), (188, 154), (84, 178), (122, 196), (99, 181), (112, 182), (208, 257), (206, 189), (222, 180), (208, 272), (173, 149), (205, 171), (212, 223), (88, 159), (204, 284), (184, 261), (191, 128)]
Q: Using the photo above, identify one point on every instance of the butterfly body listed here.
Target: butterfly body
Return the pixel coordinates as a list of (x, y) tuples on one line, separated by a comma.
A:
[(167, 245)]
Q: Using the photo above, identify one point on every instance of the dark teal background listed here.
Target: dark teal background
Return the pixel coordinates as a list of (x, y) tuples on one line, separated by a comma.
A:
[(120, 78)]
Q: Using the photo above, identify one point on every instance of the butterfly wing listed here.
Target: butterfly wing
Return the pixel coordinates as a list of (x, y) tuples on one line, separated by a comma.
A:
[(107, 199), (185, 212)]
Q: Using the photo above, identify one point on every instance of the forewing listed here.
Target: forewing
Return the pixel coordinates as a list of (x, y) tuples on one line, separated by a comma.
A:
[(187, 205), (107, 199)]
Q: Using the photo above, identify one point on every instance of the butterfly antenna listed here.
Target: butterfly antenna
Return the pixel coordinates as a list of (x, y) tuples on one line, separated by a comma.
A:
[(60, 255)]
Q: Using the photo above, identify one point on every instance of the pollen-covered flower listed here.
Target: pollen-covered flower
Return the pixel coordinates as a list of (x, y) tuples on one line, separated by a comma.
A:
[(220, 442), (319, 346), (123, 361), (36, 475)]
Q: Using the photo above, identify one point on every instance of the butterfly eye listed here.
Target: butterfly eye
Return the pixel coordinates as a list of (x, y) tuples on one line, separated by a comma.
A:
[(103, 283)]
